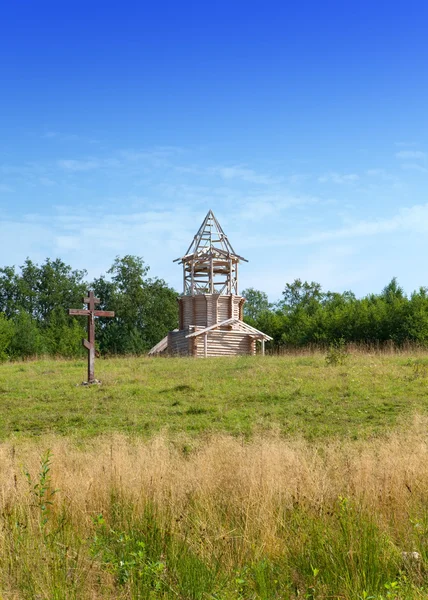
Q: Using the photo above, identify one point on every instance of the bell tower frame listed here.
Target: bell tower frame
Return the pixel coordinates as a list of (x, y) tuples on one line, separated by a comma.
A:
[(210, 308), (210, 265)]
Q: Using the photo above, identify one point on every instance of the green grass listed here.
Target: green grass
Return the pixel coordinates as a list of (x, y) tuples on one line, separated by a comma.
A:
[(215, 517), (295, 395)]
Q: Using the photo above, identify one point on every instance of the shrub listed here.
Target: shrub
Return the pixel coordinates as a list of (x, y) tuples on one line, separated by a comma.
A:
[(337, 353), (7, 332)]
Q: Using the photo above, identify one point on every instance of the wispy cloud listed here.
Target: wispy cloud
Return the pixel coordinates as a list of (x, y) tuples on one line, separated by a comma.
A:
[(67, 137), (411, 155), (405, 144), (157, 235), (414, 167), (246, 175), (412, 220), (376, 173), (89, 164), (256, 208), (338, 178), (46, 181), (79, 165), (227, 173)]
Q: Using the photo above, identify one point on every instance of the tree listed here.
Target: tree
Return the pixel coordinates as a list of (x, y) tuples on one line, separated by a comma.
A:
[(8, 291), (58, 286), (256, 302), (7, 331), (300, 295), (393, 291), (38, 290), (27, 340), (146, 309)]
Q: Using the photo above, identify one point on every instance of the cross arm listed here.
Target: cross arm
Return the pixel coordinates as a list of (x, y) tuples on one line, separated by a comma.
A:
[(104, 313), (79, 312), (89, 299)]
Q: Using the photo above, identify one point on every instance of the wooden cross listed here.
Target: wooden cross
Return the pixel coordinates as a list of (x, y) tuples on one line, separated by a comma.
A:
[(91, 313)]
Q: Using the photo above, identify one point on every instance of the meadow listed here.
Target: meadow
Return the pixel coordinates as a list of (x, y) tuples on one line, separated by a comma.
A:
[(236, 479), (295, 395)]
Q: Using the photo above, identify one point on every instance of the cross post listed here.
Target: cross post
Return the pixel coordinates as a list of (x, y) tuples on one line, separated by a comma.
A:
[(91, 313)]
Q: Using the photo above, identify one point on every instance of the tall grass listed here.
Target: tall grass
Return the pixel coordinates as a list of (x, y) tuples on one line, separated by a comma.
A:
[(215, 518)]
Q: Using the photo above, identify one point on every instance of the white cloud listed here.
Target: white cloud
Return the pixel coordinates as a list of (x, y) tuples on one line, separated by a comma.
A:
[(89, 164), (79, 165), (67, 137), (411, 155), (246, 175), (255, 208), (411, 220), (338, 178), (46, 181), (414, 167)]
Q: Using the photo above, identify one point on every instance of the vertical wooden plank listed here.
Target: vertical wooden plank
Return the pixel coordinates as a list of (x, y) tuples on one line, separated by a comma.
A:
[(206, 344), (89, 344), (180, 313), (192, 284), (91, 353), (241, 309)]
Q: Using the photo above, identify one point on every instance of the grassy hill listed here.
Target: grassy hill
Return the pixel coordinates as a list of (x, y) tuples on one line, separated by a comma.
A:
[(276, 478), (295, 395)]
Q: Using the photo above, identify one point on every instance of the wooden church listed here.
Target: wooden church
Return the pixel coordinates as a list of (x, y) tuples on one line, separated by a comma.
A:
[(211, 309)]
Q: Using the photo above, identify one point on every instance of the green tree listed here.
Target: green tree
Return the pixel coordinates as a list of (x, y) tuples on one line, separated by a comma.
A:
[(301, 294), (145, 308), (8, 291), (58, 287), (28, 339), (256, 302), (63, 335), (7, 331)]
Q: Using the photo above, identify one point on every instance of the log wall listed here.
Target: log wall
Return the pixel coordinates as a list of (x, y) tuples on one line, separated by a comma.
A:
[(221, 342), (205, 310), (225, 343), (178, 345)]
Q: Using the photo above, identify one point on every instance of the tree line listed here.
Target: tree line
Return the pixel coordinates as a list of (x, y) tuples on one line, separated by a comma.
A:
[(308, 315), (34, 303)]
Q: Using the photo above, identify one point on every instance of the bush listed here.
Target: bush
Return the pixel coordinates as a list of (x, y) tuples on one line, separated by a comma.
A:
[(337, 353), (7, 332), (27, 340)]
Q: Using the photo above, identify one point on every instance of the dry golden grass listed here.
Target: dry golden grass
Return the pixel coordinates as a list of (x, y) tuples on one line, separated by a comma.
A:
[(234, 504)]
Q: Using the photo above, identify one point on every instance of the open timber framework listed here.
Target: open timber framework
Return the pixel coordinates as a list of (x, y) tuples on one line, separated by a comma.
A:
[(210, 308)]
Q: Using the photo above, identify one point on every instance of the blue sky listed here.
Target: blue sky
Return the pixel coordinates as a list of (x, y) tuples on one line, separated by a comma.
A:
[(303, 126)]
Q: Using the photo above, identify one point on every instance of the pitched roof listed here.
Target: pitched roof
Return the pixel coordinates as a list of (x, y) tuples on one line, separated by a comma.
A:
[(210, 240), (237, 325)]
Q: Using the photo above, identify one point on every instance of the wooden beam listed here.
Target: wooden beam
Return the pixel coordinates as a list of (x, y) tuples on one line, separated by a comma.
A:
[(77, 312), (89, 300), (192, 286)]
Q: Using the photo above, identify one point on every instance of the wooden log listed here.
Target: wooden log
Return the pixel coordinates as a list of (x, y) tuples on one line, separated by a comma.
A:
[(77, 312)]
